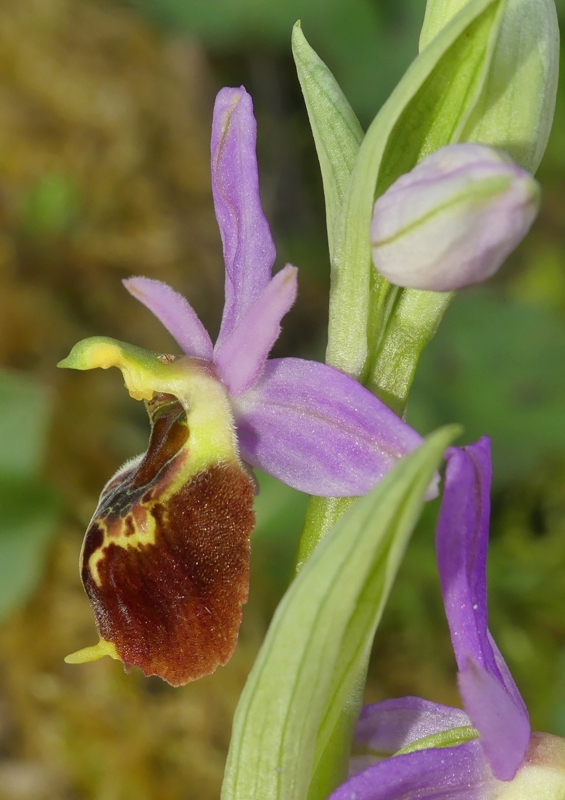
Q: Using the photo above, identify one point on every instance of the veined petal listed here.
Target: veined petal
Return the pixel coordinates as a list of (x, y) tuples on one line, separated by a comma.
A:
[(241, 356), (389, 726), (318, 430), (447, 773), (175, 313), (505, 732), (461, 544), (249, 252)]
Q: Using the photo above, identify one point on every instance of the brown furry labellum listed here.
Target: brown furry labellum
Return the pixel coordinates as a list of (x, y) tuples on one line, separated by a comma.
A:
[(165, 560)]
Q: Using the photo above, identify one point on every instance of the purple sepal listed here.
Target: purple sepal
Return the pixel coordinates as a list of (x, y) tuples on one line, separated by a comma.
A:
[(249, 252), (319, 431), (241, 356), (461, 545), (175, 313), (389, 726), (446, 773), (505, 732)]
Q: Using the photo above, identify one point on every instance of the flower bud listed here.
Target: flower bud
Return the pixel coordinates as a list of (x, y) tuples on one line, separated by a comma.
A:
[(452, 220)]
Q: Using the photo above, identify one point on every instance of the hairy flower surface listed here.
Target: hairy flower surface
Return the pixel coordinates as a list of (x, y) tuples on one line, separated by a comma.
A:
[(488, 751), (166, 556)]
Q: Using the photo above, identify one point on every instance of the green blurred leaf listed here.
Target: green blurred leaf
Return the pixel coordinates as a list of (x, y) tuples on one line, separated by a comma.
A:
[(51, 205), (336, 129), (279, 509), (497, 367), (28, 509), (28, 517), (367, 44), (25, 409), (320, 636)]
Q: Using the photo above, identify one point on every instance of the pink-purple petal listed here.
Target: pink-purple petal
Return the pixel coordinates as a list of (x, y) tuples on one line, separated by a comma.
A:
[(447, 773), (249, 252), (175, 313), (505, 733), (461, 545), (241, 356), (390, 725), (318, 430)]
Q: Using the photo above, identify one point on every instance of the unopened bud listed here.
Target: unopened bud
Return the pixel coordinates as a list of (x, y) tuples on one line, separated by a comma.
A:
[(452, 220)]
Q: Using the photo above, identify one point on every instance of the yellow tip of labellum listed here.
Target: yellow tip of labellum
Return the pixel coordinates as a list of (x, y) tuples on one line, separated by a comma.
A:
[(103, 648)]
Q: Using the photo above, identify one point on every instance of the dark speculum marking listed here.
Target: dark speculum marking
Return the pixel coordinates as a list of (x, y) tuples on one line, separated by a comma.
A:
[(165, 563)]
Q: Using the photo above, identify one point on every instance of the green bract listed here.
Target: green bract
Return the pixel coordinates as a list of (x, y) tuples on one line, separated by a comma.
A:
[(319, 640), (515, 110)]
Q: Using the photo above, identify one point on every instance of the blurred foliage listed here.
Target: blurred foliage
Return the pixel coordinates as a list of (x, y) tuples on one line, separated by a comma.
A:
[(382, 35), (28, 511), (104, 173), (496, 365)]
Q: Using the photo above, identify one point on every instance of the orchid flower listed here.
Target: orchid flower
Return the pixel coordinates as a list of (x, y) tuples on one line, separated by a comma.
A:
[(487, 751), (165, 560)]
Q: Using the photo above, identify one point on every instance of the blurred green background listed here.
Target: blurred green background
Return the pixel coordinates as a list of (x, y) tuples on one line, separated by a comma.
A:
[(105, 112)]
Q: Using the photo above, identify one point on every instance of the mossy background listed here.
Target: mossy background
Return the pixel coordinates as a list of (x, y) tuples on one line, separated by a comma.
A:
[(105, 112)]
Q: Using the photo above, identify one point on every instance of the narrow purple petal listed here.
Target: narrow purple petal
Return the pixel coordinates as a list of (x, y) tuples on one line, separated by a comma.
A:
[(249, 252), (318, 430), (241, 356), (505, 734), (388, 726), (447, 773), (175, 313), (461, 544)]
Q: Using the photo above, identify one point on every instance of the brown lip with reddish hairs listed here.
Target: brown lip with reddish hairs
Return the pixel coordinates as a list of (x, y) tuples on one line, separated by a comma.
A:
[(166, 569)]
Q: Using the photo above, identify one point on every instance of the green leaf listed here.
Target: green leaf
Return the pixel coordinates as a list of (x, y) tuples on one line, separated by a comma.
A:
[(438, 14), (28, 518), (336, 129), (427, 110), (28, 510), (497, 366), (320, 636), (25, 410)]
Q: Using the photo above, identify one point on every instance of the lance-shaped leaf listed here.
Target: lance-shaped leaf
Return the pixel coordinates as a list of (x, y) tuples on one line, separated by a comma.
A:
[(320, 636), (336, 129)]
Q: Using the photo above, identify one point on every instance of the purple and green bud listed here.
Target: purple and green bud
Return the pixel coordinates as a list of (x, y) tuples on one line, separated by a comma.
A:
[(452, 221)]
